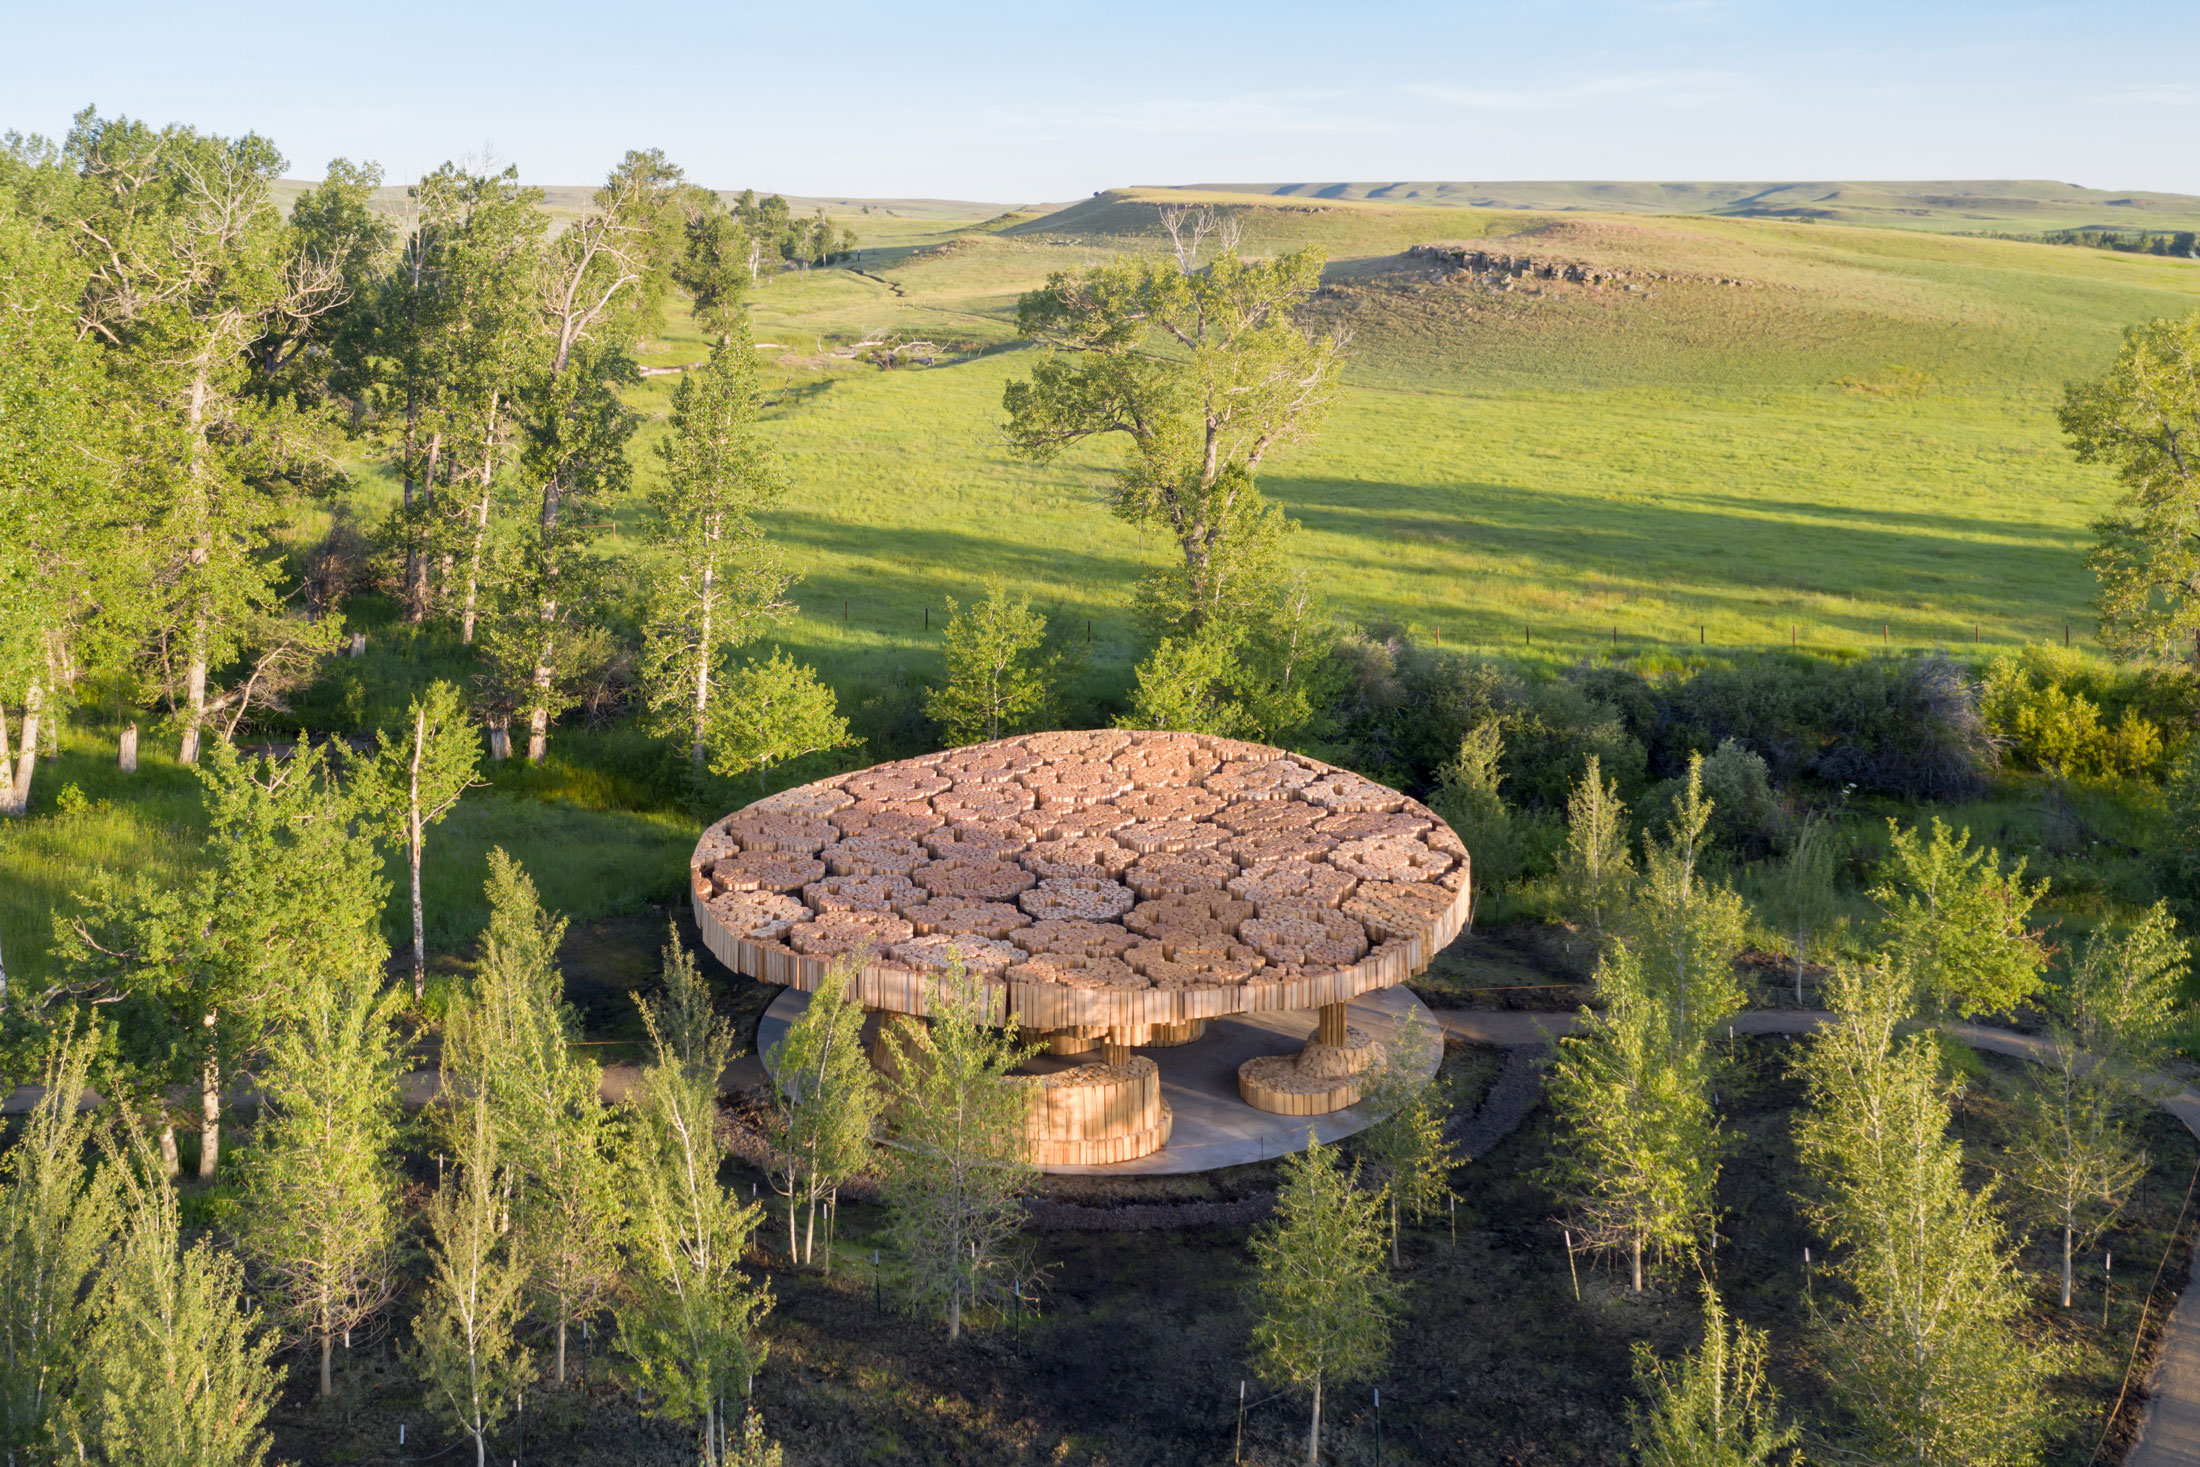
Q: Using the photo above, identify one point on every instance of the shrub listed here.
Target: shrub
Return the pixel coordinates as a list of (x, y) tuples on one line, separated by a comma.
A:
[(2046, 708)]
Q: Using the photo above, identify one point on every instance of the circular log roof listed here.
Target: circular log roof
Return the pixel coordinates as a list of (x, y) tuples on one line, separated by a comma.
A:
[(1094, 878)]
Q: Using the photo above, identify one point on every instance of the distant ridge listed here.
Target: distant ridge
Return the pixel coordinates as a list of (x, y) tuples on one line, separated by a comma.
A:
[(2013, 205), (572, 199)]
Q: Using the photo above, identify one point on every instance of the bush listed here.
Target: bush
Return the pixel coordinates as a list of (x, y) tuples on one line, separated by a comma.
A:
[(2054, 711)]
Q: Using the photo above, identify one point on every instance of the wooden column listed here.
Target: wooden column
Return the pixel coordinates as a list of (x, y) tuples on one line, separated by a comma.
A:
[(1116, 1048), (1331, 1030)]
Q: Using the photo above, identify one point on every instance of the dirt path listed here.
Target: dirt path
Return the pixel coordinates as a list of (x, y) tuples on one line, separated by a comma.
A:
[(2169, 1424)]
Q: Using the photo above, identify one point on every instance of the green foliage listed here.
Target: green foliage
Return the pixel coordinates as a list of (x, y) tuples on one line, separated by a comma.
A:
[(58, 1214), (1469, 800), (998, 681), (321, 1218), (828, 1103), (1596, 869), (465, 1340), (959, 1163), (2124, 996), (1203, 370), (177, 1371), (2139, 419), (722, 582), (1919, 1344), (2074, 1160), (691, 1331), (1685, 928), (1746, 816), (1954, 920), (1183, 685), (1715, 1406), (2036, 705), (1638, 1160), (769, 713), (2175, 855), (1802, 901), (1406, 1148), (410, 786), (1322, 1306)]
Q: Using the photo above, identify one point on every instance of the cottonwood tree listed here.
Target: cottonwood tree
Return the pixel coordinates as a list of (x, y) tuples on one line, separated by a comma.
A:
[(408, 787), (1713, 1407), (1803, 902), (1202, 370), (1954, 918), (191, 265), (1322, 1305), (601, 287), (2142, 418), (198, 968), (1638, 1158), (692, 1332), (998, 676), (58, 1215), (1918, 1341), (511, 1038), (1596, 868), (723, 583), (177, 1368), (1685, 927), (827, 1105), (771, 712), (321, 1218), (70, 576), (465, 1341), (1406, 1149), (960, 1160)]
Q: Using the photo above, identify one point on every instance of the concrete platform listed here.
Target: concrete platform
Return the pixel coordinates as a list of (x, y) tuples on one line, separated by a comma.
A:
[(1214, 1128)]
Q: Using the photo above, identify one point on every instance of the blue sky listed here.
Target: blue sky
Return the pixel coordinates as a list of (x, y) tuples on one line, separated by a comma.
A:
[(1047, 101)]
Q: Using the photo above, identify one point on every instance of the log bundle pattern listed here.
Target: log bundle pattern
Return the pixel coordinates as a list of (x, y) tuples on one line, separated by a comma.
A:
[(1095, 880)]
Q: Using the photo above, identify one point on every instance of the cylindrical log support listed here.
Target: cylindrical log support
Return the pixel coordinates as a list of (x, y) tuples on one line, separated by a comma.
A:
[(1116, 1048), (1331, 1030)]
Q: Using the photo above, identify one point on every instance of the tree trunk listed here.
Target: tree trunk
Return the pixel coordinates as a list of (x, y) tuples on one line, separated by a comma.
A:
[(420, 931), (7, 770), (561, 1344), (500, 740), (481, 525), (194, 677), (194, 698), (794, 1254), (416, 550), (210, 1106), (26, 757), (1637, 1257), (328, 1348), (2067, 1244), (1314, 1428), (954, 1313), (171, 1162), (702, 659), (809, 1233), (126, 750)]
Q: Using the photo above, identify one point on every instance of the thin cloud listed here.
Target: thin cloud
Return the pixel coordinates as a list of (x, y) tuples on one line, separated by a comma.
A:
[(1666, 89)]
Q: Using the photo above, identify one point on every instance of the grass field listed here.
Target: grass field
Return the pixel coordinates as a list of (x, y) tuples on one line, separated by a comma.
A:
[(1855, 444)]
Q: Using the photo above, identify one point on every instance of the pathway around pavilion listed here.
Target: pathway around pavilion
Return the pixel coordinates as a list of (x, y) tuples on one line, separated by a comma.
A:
[(2169, 1424)]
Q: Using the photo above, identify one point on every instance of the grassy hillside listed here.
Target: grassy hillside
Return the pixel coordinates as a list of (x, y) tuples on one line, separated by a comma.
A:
[(1852, 439), (2022, 205)]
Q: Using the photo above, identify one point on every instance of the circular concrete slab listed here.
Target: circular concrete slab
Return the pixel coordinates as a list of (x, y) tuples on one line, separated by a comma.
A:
[(1214, 1128)]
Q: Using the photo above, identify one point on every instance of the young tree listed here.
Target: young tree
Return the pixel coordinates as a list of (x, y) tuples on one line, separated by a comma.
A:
[(1803, 900), (511, 1038), (1183, 685), (772, 712), (1638, 1161), (1919, 1344), (410, 786), (1469, 797), (465, 1342), (1202, 369), (692, 1332), (960, 1162), (201, 967), (58, 1214), (997, 677), (1406, 1148), (2141, 419), (322, 1190), (1596, 870), (828, 1104), (1714, 1407), (724, 583), (1322, 1305), (177, 1370), (2125, 994), (1954, 919), (1687, 928)]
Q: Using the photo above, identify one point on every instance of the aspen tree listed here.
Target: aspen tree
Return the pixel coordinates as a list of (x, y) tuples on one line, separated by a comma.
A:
[(1803, 900), (1954, 918), (828, 1104), (1596, 869), (1686, 928), (410, 785), (1713, 1407), (998, 678), (1406, 1148)]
